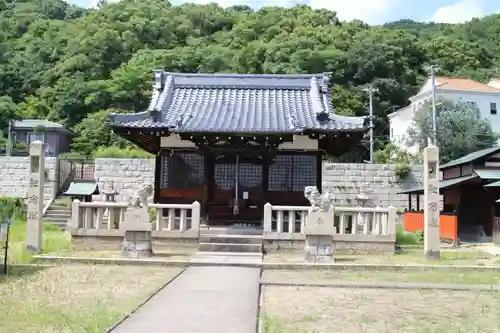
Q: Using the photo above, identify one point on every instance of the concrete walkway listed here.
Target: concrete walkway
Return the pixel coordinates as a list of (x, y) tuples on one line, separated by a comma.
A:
[(201, 300)]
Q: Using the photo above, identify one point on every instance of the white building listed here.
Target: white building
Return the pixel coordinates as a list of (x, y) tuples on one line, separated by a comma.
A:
[(485, 96)]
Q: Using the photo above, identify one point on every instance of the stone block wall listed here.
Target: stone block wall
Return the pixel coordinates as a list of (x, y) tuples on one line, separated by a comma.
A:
[(125, 175), (14, 177), (378, 182)]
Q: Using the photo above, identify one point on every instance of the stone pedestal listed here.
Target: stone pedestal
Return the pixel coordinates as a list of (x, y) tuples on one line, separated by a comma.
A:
[(319, 248), (35, 197), (319, 230), (137, 244), (137, 226)]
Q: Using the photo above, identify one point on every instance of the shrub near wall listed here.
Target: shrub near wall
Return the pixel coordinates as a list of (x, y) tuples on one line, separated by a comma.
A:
[(115, 152)]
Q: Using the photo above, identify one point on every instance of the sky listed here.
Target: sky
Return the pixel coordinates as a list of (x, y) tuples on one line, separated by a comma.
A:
[(375, 11)]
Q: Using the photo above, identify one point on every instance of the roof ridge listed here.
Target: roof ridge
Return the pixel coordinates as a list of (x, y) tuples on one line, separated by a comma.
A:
[(247, 75)]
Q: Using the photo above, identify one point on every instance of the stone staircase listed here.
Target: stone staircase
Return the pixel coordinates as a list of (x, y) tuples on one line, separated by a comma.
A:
[(230, 244), (58, 214)]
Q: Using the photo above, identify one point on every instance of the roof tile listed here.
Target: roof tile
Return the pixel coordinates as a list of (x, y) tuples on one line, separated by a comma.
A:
[(456, 83), (242, 103)]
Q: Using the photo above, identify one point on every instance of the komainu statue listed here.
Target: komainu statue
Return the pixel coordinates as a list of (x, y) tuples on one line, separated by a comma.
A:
[(318, 202), (142, 195)]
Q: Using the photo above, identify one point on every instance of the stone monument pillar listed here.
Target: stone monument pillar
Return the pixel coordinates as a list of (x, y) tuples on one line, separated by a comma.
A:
[(35, 196), (431, 202)]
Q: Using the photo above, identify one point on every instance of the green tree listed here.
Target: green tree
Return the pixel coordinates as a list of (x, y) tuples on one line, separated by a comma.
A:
[(94, 133), (8, 111), (459, 126), (65, 63)]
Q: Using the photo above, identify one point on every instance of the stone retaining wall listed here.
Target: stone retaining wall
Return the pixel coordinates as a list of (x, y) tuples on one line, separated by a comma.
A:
[(379, 182), (14, 177), (125, 174)]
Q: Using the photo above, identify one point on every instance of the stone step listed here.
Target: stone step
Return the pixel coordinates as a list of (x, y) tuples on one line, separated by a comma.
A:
[(231, 254), (58, 207), (231, 231), (234, 239), (60, 225), (227, 258), (58, 213), (230, 247), (55, 219)]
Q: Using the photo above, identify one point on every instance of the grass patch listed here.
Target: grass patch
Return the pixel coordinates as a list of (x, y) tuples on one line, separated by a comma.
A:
[(272, 324), (170, 253), (436, 276), (76, 298), (326, 310), (54, 239)]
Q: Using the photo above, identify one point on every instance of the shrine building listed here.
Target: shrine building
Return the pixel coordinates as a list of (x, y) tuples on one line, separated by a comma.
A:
[(234, 142)]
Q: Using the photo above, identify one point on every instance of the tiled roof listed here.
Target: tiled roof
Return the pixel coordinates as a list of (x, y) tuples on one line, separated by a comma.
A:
[(455, 83), (32, 123), (472, 157), (443, 184), (239, 103), (28, 124)]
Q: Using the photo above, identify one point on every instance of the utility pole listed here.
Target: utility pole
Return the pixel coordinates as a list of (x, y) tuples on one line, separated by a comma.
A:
[(370, 90), (432, 69)]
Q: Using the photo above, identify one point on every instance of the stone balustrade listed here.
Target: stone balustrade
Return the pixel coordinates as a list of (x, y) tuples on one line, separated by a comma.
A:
[(364, 228), (109, 215), (375, 221), (95, 224)]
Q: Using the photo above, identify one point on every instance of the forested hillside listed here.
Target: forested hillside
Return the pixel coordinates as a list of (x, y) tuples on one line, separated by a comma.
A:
[(74, 66)]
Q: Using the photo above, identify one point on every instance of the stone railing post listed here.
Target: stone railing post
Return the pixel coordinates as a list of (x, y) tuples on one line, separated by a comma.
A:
[(268, 217), (195, 215), (391, 220), (75, 222)]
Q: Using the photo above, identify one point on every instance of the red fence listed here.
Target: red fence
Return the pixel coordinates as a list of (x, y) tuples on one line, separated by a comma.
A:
[(448, 224)]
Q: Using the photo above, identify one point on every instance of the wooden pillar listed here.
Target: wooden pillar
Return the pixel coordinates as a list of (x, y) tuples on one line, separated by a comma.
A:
[(158, 169), (265, 176), (418, 201), (409, 202), (319, 172)]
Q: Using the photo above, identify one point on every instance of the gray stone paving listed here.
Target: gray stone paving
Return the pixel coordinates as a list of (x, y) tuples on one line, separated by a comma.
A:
[(227, 258), (201, 300)]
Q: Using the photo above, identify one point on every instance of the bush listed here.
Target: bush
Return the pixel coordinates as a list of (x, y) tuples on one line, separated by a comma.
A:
[(11, 207), (409, 238), (73, 156), (115, 152), (402, 170)]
